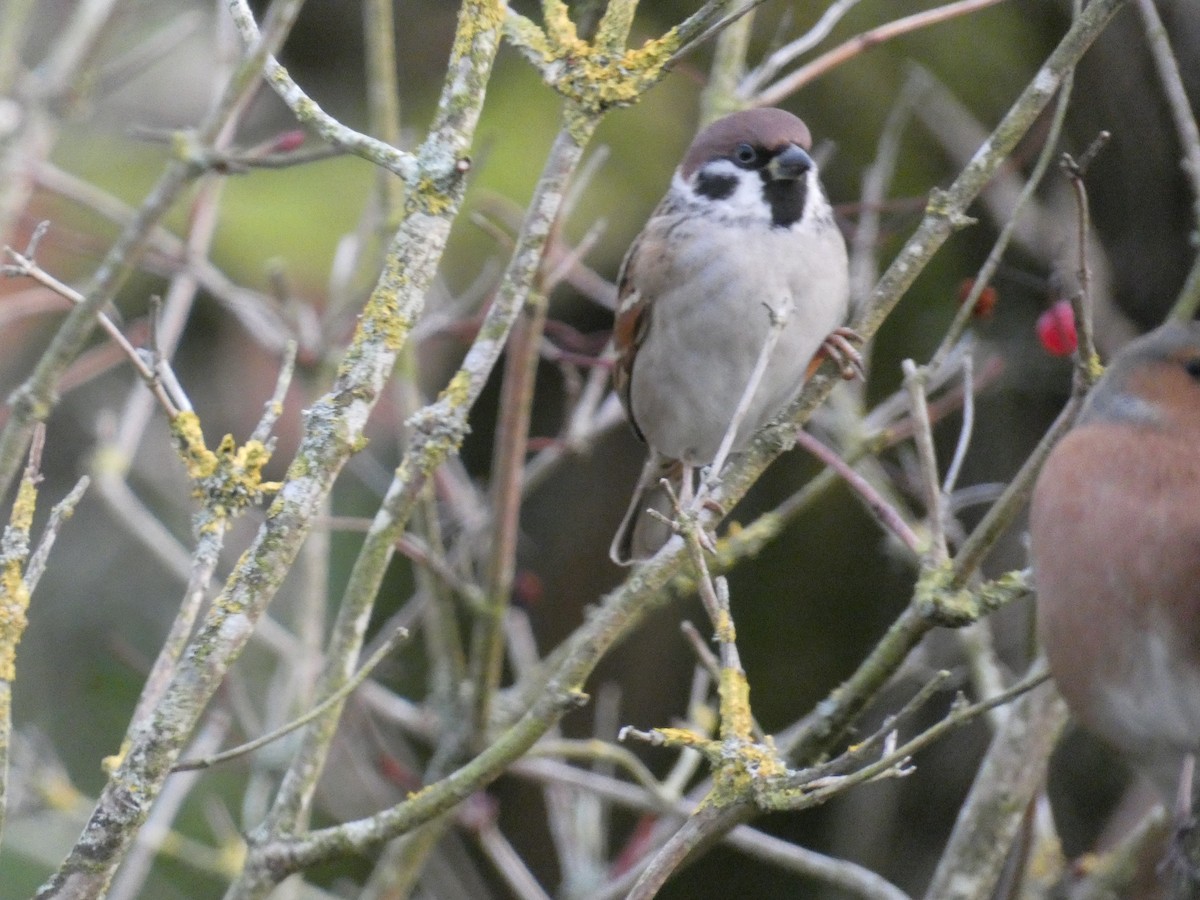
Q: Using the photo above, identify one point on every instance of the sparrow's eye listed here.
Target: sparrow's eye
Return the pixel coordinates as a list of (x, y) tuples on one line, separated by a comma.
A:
[(745, 154), (1192, 367)]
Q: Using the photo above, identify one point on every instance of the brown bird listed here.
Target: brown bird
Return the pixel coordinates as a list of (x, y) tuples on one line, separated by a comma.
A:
[(1115, 537), (745, 235)]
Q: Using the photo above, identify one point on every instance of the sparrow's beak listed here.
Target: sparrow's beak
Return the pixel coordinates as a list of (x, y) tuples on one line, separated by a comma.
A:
[(790, 163)]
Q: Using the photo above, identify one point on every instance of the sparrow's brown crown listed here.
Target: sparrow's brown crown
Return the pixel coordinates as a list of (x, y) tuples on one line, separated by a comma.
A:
[(768, 129)]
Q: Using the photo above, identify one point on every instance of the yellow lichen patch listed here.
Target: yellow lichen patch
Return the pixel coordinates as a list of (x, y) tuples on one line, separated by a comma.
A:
[(474, 18), (21, 518), (111, 763), (232, 857), (736, 718), (458, 391), (382, 312), (684, 737), (725, 631), (941, 602), (559, 27), (429, 196), (14, 604), (14, 596), (763, 760), (228, 479), (199, 461), (592, 75)]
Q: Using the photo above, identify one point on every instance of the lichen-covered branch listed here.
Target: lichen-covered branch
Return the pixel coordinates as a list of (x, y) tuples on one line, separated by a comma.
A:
[(1011, 773), (310, 113), (14, 603), (333, 432), (438, 432), (32, 401)]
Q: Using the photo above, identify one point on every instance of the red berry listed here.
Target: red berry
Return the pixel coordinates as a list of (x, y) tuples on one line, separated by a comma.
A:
[(527, 588), (985, 303), (1056, 329), (288, 141)]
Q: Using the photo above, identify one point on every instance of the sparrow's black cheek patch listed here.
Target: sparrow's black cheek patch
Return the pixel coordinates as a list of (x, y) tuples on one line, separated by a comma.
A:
[(716, 187), (786, 199)]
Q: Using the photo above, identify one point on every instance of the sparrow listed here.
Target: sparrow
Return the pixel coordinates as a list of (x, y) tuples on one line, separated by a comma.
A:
[(1115, 540), (744, 238)]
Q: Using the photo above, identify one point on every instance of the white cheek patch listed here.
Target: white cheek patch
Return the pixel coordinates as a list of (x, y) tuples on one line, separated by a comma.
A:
[(746, 200)]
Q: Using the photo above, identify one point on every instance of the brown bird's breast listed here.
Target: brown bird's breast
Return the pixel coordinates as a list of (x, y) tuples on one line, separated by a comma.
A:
[(1115, 524)]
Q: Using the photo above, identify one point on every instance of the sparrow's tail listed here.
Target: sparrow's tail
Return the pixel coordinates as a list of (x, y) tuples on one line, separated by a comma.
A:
[(641, 535)]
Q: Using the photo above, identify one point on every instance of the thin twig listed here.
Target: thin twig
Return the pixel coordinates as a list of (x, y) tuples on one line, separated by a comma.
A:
[(14, 596), (778, 322), (338, 696), (820, 30), (983, 277), (1001, 513), (1011, 772), (273, 408), (927, 459), (1177, 99), (24, 265), (968, 425), (1086, 360), (311, 114), (688, 27), (63, 510), (887, 514), (960, 715), (864, 244), (789, 84)]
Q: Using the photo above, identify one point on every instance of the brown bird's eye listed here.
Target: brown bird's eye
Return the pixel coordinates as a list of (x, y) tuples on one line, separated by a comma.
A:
[(745, 154), (1192, 366)]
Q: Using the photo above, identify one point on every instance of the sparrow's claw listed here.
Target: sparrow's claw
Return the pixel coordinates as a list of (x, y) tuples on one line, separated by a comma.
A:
[(1179, 865), (839, 346)]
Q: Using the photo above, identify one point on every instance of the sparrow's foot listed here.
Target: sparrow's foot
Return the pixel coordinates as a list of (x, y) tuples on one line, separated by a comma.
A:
[(1180, 867), (839, 346)]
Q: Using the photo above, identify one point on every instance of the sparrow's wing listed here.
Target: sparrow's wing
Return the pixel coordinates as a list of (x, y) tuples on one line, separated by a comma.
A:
[(632, 320), (644, 273)]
